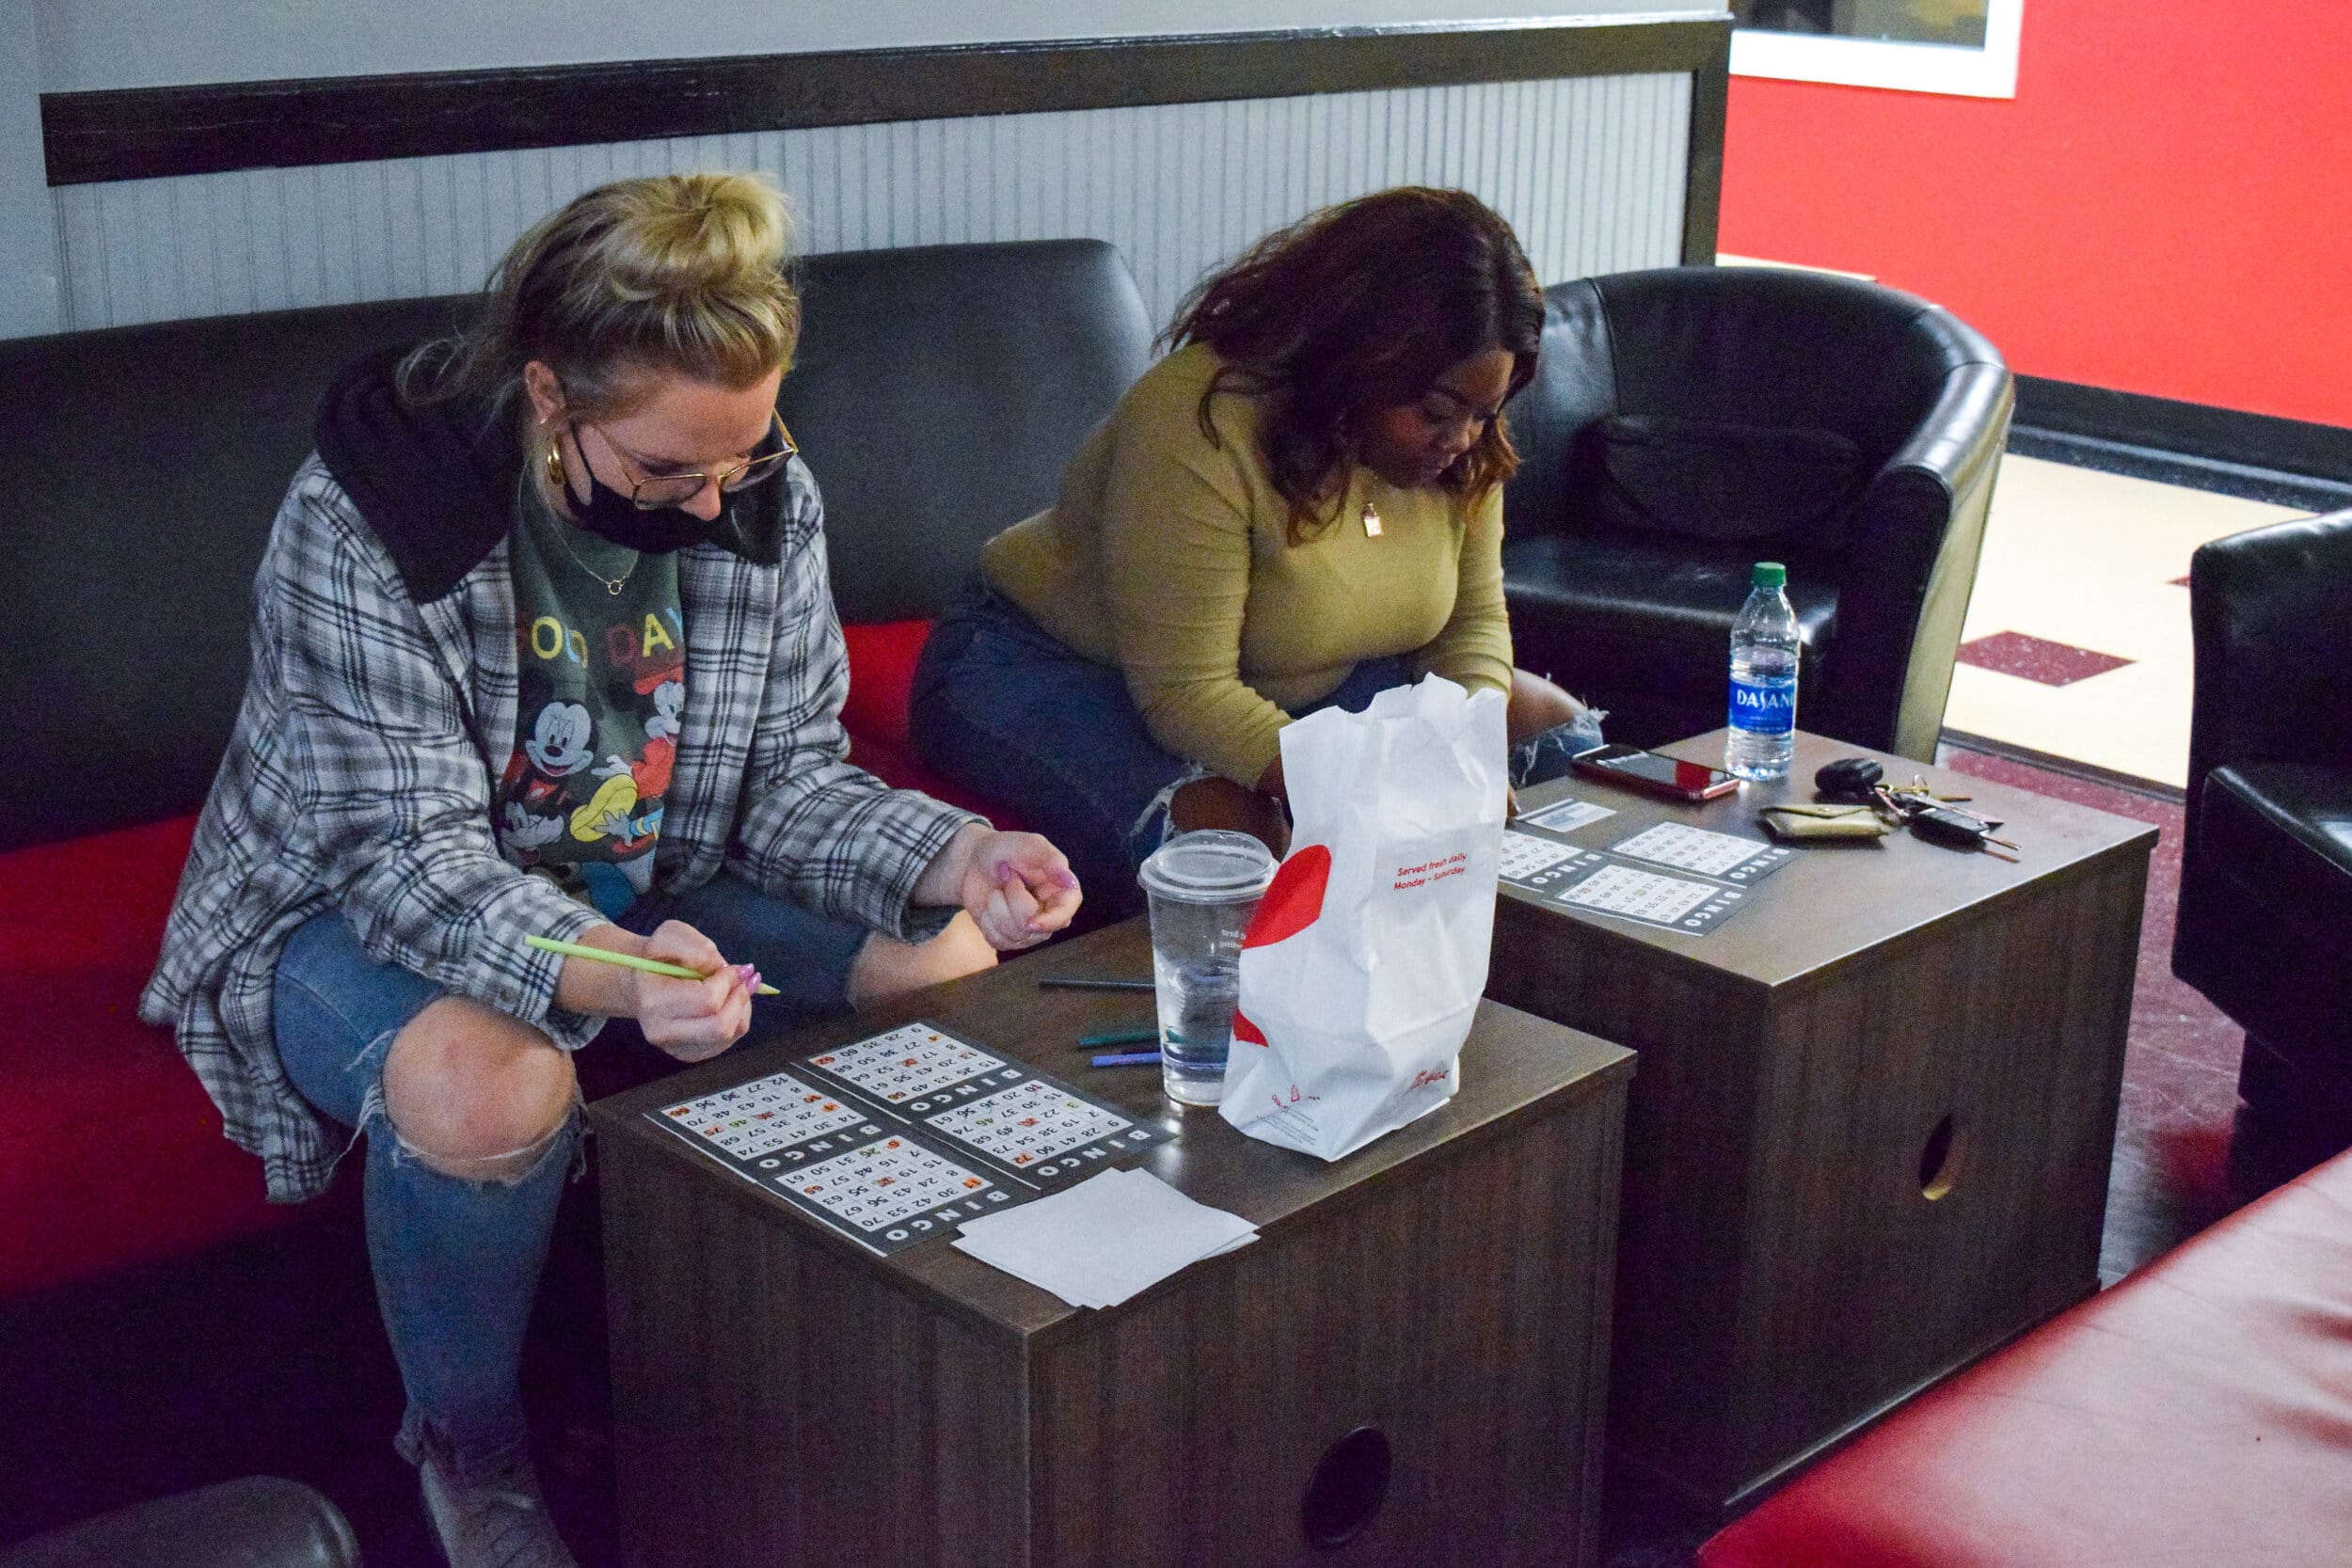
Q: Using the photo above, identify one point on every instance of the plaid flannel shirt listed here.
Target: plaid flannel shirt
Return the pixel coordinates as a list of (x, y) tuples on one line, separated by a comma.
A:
[(363, 768)]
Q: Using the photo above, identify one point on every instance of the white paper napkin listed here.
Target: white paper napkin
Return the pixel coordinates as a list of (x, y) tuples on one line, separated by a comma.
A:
[(1102, 1241)]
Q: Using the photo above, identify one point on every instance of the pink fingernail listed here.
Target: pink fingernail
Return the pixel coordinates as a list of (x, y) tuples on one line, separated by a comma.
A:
[(748, 973), (1066, 878), (1004, 870)]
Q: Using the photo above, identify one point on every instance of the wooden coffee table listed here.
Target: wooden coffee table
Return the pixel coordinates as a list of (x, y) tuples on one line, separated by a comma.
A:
[(782, 1395), (1871, 1131)]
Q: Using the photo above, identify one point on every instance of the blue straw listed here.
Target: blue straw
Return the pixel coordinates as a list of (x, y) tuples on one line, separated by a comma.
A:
[(1126, 1058)]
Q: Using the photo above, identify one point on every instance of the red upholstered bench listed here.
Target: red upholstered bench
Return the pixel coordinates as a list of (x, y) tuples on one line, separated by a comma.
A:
[(2198, 1413), (111, 1154)]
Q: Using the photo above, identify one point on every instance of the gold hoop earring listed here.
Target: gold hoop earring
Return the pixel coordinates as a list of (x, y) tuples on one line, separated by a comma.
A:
[(554, 464)]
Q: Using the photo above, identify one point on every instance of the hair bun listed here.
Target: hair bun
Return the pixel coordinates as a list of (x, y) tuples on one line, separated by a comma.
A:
[(694, 233)]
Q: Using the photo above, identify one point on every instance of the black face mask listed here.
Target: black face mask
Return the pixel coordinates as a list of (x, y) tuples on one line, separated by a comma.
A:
[(609, 514)]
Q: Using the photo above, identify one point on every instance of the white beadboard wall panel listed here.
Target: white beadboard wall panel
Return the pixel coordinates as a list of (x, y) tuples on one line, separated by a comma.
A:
[(1590, 170)]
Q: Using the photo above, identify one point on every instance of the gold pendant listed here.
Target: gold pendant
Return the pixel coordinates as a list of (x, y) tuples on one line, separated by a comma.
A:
[(1372, 521)]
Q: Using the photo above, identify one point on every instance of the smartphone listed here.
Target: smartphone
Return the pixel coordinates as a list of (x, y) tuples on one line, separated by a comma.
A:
[(1654, 773)]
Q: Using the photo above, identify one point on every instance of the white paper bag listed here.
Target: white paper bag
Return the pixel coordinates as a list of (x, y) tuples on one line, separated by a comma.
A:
[(1366, 957)]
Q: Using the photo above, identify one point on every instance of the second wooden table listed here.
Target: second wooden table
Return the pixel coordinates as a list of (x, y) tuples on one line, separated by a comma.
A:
[(1870, 1135)]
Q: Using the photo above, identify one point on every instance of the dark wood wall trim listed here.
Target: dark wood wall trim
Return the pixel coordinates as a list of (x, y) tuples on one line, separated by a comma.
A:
[(143, 132), (2058, 415)]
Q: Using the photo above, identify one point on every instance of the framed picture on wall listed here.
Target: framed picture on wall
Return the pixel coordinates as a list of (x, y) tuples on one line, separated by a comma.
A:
[(1967, 47)]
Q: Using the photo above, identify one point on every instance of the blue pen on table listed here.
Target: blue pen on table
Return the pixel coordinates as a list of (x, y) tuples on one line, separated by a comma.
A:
[(1126, 1058)]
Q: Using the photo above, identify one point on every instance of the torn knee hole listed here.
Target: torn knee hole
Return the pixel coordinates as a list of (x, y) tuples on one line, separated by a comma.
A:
[(503, 1169)]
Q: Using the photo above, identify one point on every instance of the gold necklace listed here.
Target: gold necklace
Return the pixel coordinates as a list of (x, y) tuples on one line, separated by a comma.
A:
[(556, 476), (1371, 521)]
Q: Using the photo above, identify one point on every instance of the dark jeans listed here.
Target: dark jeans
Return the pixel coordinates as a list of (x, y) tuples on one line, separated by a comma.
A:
[(1002, 708)]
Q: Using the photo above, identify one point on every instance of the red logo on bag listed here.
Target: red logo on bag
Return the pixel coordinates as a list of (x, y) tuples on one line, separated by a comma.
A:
[(1294, 901), (1425, 1076), (1244, 1030)]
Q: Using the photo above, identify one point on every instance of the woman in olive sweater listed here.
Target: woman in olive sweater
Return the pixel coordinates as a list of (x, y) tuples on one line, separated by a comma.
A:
[(1299, 506)]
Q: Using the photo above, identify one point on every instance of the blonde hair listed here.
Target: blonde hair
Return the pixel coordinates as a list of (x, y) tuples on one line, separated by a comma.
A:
[(679, 273)]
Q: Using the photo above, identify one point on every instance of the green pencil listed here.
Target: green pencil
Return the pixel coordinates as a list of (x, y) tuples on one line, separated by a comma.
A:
[(627, 960)]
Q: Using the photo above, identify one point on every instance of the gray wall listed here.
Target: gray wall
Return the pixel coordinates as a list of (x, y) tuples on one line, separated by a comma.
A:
[(28, 244), (1590, 170)]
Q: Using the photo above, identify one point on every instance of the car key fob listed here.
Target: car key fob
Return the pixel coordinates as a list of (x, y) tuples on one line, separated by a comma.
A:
[(1848, 778), (1940, 826)]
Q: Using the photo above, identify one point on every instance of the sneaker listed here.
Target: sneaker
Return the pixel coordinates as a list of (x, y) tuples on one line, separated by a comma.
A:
[(500, 1522)]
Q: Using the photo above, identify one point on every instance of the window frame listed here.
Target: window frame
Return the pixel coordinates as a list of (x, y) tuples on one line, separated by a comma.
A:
[(1940, 67)]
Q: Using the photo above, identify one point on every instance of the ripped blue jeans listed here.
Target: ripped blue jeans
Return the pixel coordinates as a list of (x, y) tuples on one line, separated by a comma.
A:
[(457, 1260)]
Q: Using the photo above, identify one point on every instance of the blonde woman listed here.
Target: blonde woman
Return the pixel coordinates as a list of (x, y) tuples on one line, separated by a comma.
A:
[(543, 646)]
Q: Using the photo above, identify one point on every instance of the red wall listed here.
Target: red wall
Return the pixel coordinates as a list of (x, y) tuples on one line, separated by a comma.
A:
[(2165, 207)]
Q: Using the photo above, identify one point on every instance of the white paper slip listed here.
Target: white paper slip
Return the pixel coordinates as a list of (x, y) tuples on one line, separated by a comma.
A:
[(1103, 1239), (1567, 816)]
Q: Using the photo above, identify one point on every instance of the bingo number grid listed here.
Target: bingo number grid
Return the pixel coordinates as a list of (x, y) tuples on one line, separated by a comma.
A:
[(901, 1137), (907, 1063), (1668, 876), (1029, 1123)]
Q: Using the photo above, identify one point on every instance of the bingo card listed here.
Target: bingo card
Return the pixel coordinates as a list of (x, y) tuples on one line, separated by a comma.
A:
[(1724, 857)]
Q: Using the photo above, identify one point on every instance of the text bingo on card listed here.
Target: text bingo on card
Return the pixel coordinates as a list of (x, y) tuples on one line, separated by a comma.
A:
[(894, 1191)]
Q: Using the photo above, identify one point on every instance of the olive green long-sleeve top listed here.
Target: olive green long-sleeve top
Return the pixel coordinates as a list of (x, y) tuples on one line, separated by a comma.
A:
[(1168, 557)]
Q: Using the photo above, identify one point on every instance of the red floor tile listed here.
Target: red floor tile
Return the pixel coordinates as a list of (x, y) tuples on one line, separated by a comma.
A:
[(2035, 659)]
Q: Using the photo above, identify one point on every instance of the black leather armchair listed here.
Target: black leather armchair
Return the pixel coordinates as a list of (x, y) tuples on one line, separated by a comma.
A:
[(1687, 423), (259, 1522), (2265, 917)]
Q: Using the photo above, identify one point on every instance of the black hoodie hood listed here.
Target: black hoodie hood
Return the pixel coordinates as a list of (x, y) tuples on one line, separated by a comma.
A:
[(435, 481)]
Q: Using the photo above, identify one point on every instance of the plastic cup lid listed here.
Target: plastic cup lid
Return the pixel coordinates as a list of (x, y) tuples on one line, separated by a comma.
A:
[(1210, 865)]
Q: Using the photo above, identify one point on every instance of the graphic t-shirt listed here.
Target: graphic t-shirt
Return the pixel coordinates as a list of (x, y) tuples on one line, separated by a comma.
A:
[(603, 688)]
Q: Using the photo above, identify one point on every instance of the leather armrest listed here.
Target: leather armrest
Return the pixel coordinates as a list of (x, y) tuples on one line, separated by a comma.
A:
[(258, 1522), (2273, 648), (1922, 528)]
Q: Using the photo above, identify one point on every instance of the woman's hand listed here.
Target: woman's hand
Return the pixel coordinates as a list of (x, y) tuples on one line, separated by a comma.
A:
[(692, 1019), (1017, 886), (1215, 802)]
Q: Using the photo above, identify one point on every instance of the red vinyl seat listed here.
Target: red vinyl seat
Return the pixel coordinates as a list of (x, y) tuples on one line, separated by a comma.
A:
[(2200, 1414), (110, 1152)]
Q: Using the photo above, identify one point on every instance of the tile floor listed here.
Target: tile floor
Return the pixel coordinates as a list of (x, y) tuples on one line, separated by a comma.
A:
[(2078, 642)]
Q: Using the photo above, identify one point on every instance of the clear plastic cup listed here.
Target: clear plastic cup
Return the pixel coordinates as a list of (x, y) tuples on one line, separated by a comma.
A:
[(1203, 887)]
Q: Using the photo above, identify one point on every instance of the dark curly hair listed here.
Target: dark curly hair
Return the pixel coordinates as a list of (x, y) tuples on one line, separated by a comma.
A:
[(1358, 308)]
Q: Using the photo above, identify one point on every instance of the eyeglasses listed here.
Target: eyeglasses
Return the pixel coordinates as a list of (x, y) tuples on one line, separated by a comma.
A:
[(654, 492)]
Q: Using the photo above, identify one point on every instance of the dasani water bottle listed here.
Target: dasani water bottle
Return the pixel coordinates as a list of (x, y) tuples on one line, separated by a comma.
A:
[(1763, 679)]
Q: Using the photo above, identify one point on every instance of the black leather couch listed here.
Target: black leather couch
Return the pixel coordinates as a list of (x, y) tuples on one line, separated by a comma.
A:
[(1687, 423), (938, 394), (2265, 915)]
